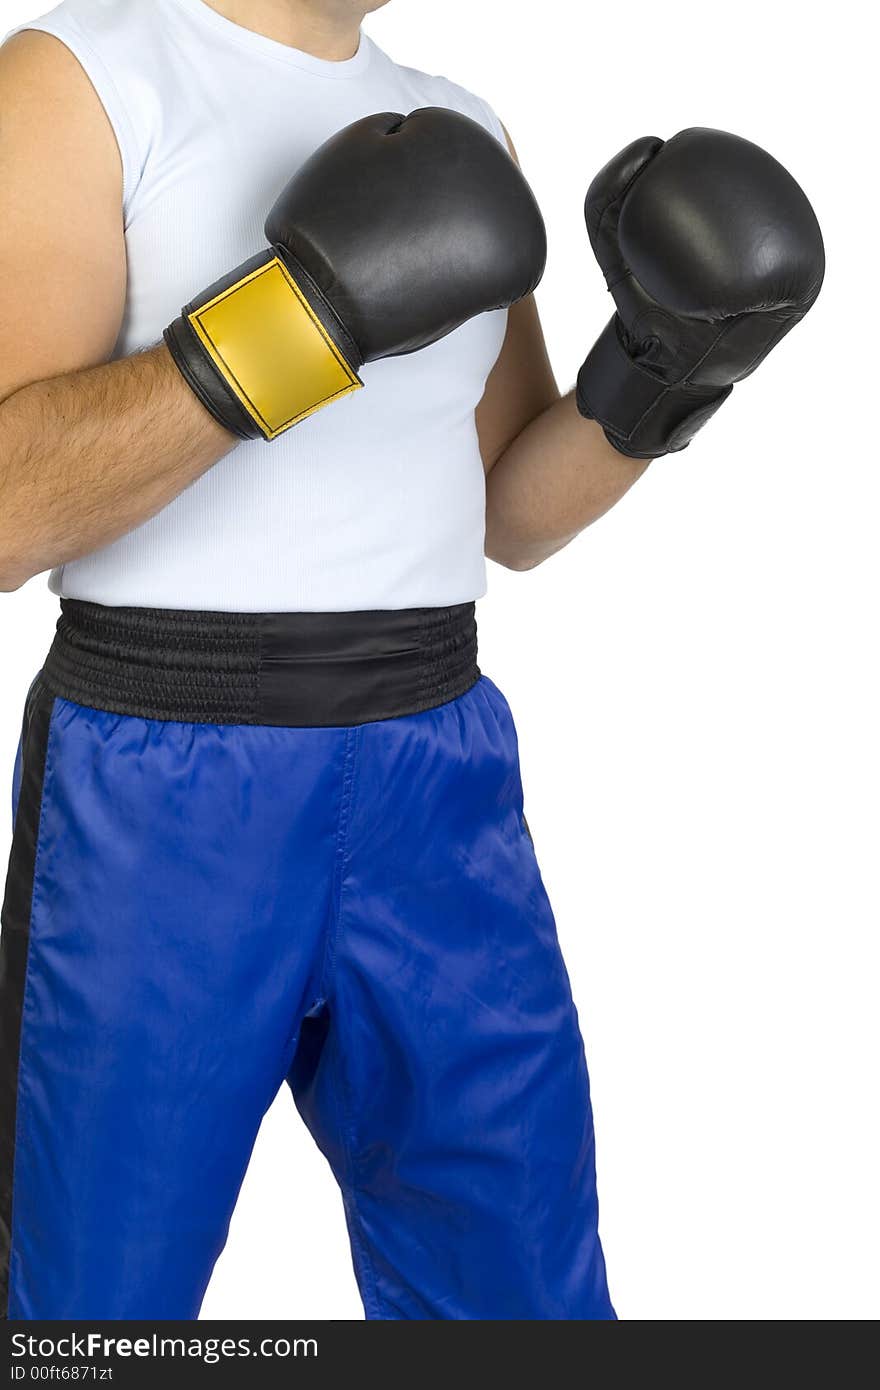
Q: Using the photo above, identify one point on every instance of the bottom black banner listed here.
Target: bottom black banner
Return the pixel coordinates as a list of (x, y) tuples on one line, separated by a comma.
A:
[(134, 1354)]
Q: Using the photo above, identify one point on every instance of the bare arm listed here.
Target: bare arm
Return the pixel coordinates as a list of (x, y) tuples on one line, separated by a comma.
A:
[(550, 472), (87, 451)]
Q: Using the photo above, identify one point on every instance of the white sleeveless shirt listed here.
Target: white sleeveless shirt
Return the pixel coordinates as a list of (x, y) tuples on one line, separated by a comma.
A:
[(376, 502)]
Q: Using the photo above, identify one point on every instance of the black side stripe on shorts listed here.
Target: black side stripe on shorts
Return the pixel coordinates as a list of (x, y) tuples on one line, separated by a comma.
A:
[(16, 918)]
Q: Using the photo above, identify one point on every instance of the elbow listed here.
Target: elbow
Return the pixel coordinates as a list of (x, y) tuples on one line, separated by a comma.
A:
[(13, 573), (20, 557), (513, 547), (519, 561), (520, 564), (11, 580)]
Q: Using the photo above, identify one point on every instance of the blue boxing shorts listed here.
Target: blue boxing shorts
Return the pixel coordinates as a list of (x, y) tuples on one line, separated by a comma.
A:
[(251, 849)]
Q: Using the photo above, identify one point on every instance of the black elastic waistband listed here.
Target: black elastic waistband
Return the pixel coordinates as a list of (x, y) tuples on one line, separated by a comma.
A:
[(290, 669)]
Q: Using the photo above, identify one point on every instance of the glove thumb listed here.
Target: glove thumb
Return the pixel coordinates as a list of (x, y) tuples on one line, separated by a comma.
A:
[(604, 200)]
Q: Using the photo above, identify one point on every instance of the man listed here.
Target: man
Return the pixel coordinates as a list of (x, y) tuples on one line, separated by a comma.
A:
[(269, 818)]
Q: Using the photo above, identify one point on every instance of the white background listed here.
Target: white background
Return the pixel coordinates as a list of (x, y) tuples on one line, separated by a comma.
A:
[(697, 691)]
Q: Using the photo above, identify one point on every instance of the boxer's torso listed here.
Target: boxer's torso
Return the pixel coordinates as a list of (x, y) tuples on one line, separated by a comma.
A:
[(377, 503)]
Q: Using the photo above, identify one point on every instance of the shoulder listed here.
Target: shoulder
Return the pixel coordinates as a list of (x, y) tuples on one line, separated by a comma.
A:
[(114, 37), (112, 51), (56, 132), (40, 74)]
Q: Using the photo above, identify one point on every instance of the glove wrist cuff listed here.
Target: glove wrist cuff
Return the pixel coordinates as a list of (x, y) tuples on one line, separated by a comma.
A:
[(642, 416), (259, 349)]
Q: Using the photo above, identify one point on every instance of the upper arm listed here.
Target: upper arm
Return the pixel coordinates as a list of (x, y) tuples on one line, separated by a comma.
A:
[(62, 254), (521, 385)]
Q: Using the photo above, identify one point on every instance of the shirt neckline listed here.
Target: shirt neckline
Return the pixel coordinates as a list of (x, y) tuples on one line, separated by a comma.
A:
[(259, 44)]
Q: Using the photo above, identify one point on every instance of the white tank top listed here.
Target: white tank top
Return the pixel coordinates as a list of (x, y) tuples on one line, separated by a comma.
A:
[(376, 502)]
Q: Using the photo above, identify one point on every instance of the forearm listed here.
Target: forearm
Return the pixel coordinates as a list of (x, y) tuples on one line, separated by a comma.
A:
[(87, 457), (559, 475)]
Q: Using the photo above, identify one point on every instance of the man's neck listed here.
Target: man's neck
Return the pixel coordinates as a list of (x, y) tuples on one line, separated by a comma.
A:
[(325, 29)]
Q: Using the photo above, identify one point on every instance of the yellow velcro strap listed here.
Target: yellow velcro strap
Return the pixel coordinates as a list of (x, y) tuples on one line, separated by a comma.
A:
[(272, 349)]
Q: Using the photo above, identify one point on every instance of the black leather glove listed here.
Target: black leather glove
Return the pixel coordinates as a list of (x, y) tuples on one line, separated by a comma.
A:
[(395, 232), (712, 253)]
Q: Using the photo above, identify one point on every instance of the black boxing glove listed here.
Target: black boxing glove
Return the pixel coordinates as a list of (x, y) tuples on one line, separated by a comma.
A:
[(712, 253), (392, 234)]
